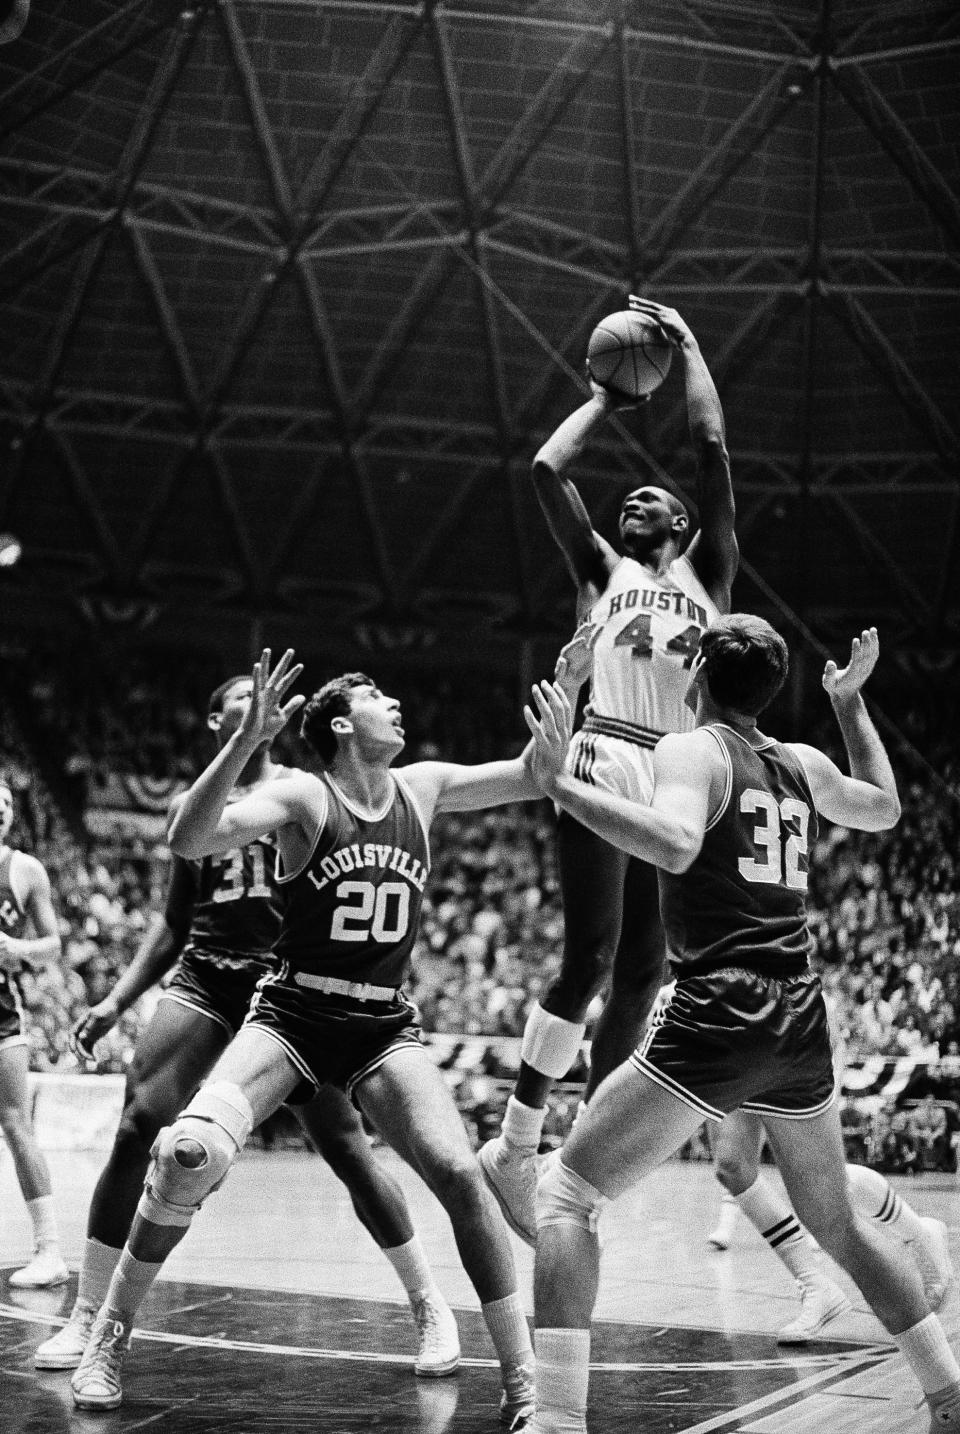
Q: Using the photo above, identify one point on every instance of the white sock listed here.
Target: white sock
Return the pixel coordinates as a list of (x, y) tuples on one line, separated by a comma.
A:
[(96, 1272), (508, 1328), (523, 1124), (550, 1043), (926, 1350), (410, 1263), (876, 1198), (765, 1208), (563, 1375), (40, 1210), (129, 1287), (727, 1214)]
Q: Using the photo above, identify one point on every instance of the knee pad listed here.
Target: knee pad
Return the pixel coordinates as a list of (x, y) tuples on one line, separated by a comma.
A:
[(564, 1198), (550, 1044), (191, 1158)]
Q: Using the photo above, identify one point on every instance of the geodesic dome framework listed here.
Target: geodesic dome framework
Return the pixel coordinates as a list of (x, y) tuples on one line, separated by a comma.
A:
[(292, 292)]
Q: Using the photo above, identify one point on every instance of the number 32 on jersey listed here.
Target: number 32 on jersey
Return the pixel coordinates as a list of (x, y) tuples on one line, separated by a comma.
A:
[(779, 838)]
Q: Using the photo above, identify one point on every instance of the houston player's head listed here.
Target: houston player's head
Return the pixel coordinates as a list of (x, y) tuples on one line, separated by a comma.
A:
[(352, 709), (742, 663), (6, 808), (227, 704), (654, 515)]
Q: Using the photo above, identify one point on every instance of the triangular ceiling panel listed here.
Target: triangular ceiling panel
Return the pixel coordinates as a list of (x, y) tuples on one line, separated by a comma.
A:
[(116, 342)]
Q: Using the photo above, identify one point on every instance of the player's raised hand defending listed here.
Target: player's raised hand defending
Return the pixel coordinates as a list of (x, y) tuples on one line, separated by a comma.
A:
[(677, 330), (267, 713), (551, 726), (840, 683), (575, 662)]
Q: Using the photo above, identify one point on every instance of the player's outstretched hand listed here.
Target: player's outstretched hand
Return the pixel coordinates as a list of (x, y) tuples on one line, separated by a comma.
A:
[(91, 1027), (551, 726), (677, 330), (267, 713), (575, 662), (847, 682)]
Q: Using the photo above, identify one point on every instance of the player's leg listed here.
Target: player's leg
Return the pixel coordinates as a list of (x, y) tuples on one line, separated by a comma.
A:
[(925, 1237), (409, 1102), (739, 1143), (592, 875), (631, 1125), (173, 1054), (191, 1159), (811, 1160), (33, 1174), (334, 1129), (639, 970)]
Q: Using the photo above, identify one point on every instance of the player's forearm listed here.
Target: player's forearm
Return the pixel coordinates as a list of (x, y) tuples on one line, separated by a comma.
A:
[(34, 951), (194, 827), (155, 955), (704, 411), (568, 441), (866, 753), (640, 831)]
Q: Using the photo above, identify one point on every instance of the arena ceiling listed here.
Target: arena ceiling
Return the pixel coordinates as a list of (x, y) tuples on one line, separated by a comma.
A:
[(292, 291)]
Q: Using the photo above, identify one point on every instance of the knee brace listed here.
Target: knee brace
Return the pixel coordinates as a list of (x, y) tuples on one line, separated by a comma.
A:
[(550, 1044), (564, 1198), (191, 1158)]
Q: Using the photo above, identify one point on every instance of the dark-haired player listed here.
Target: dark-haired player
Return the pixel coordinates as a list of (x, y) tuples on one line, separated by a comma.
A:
[(221, 919), (353, 862), (730, 824), (25, 902), (644, 612)]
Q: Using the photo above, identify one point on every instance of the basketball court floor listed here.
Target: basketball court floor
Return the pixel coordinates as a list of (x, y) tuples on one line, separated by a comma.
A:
[(277, 1313)]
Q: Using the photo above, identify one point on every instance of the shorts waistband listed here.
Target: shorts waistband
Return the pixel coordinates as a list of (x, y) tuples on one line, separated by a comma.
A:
[(626, 731), (333, 986)]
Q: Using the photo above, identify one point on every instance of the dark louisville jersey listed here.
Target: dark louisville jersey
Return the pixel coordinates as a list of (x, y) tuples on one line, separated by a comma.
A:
[(743, 901), (13, 922), (352, 910), (237, 905)]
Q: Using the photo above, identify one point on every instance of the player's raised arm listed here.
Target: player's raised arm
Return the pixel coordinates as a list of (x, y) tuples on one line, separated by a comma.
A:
[(867, 799), (589, 557), (452, 787), (201, 827), (668, 833), (713, 552)]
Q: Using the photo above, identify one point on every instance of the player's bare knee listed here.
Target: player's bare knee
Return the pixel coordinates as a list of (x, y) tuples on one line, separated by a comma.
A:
[(735, 1171), (565, 1198), (456, 1180), (192, 1157)]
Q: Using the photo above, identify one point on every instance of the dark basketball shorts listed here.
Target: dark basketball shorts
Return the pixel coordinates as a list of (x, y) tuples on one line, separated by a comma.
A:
[(11, 1017), (736, 1040), (219, 989), (333, 1039)]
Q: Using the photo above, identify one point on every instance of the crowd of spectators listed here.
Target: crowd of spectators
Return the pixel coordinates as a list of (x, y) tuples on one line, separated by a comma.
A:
[(885, 907)]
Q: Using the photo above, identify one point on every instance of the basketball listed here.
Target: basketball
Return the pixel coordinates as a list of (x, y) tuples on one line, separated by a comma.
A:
[(629, 353)]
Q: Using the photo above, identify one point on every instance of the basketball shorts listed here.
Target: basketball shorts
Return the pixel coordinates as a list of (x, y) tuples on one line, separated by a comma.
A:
[(612, 765), (219, 989), (333, 1039), (11, 1017), (734, 1039)]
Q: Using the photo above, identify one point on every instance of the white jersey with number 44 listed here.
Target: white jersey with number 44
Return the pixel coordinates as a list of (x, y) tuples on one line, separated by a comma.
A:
[(649, 634)]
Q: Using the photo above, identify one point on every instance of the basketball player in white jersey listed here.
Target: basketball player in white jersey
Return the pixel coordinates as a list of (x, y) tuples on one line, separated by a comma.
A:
[(642, 613), (730, 825), (25, 902)]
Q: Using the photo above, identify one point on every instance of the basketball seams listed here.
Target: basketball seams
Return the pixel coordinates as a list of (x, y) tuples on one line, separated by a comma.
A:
[(623, 353)]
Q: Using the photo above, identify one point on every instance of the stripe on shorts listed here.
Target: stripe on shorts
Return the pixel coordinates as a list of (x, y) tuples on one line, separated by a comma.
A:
[(641, 1064)]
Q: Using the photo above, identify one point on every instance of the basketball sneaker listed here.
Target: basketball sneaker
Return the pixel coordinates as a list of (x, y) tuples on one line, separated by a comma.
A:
[(511, 1175), (519, 1395), (64, 1350), (96, 1381), (931, 1254), (820, 1303), (45, 1270), (945, 1410), (439, 1351)]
